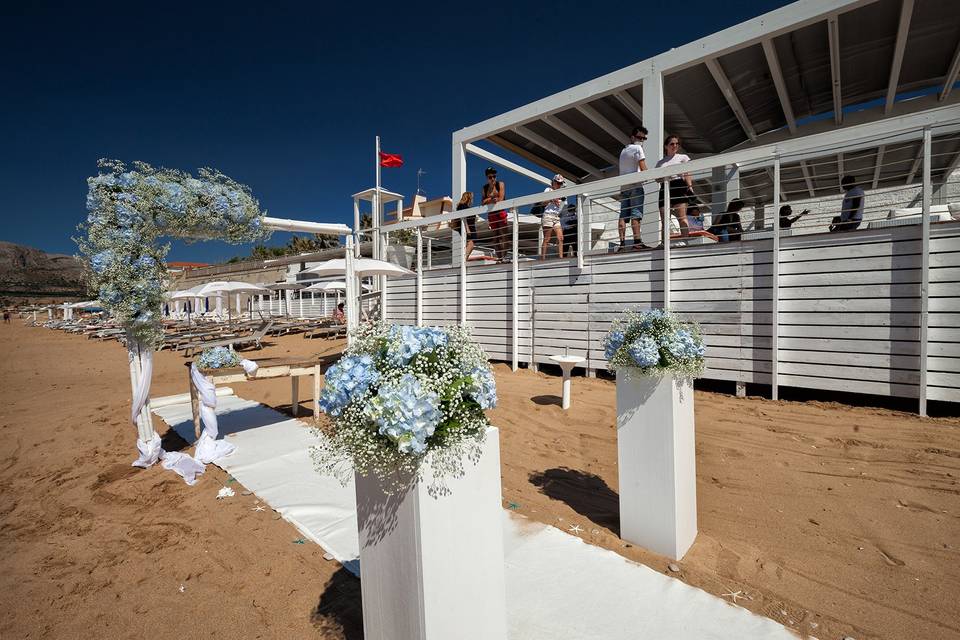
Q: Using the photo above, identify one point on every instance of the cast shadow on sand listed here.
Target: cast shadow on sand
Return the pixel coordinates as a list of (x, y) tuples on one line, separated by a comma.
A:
[(339, 611), (585, 493)]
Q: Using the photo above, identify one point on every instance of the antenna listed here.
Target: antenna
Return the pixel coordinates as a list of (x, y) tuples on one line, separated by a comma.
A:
[(420, 173)]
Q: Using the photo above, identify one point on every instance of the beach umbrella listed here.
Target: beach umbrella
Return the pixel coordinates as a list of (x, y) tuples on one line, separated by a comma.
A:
[(362, 267), (336, 285), (220, 287), (187, 294)]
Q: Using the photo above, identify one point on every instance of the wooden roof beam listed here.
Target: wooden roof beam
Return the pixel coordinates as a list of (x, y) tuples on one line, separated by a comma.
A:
[(631, 104), (598, 119), (537, 160), (806, 178), (916, 165), (727, 90), (556, 150), (777, 75), (952, 74), (833, 34), (581, 139), (906, 12)]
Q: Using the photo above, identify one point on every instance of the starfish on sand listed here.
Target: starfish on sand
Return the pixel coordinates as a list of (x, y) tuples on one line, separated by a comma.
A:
[(576, 529), (734, 595)]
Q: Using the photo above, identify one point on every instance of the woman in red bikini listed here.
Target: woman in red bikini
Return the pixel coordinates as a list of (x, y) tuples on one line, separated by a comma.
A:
[(494, 191)]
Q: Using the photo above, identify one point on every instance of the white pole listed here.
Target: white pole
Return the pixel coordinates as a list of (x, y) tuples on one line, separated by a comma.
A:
[(463, 275), (925, 271), (301, 303), (351, 289), (666, 244), (514, 276), (419, 277), (356, 222), (383, 282), (578, 245), (775, 286)]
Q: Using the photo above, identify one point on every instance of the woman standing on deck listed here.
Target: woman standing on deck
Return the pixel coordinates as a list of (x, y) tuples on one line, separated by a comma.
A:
[(681, 186), (495, 191)]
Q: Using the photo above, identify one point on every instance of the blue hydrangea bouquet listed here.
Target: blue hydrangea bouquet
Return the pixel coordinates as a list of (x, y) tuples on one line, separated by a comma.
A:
[(218, 358), (401, 395), (654, 342)]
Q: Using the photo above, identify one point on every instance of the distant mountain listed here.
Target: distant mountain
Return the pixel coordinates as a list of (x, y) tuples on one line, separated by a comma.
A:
[(25, 271)]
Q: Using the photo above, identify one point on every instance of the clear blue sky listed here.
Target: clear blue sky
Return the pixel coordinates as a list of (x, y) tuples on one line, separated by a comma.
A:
[(287, 97)]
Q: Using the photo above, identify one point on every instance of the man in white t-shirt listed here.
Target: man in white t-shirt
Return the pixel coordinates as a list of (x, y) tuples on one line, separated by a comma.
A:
[(851, 211), (632, 160)]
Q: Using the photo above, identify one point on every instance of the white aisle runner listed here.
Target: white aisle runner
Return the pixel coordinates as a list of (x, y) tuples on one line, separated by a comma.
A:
[(557, 585)]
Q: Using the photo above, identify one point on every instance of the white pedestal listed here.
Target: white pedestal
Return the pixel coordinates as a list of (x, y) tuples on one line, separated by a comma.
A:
[(657, 463), (432, 568)]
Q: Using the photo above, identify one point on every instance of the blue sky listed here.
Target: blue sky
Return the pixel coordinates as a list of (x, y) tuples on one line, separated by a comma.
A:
[(287, 97)]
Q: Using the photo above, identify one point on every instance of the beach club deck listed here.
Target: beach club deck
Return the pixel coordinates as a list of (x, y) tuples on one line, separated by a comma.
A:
[(773, 111)]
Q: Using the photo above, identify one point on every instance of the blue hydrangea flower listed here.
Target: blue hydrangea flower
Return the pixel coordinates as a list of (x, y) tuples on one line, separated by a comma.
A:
[(218, 358), (406, 342), (102, 261), (645, 352), (348, 378), (682, 345), (126, 216), (406, 413), (614, 342), (483, 387)]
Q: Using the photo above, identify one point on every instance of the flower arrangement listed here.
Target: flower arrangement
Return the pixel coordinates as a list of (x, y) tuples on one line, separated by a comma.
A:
[(129, 210), (218, 358), (654, 342), (400, 394)]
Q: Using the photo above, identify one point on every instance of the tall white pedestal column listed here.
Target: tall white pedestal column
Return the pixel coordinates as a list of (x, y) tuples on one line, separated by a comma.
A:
[(431, 568), (657, 462)]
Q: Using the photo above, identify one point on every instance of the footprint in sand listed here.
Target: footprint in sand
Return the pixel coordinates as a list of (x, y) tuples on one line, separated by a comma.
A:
[(890, 559)]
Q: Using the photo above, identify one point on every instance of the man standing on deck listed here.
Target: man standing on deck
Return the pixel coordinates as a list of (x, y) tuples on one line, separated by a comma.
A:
[(851, 211), (632, 160)]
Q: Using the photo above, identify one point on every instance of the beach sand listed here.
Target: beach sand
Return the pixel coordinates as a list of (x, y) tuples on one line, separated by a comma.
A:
[(833, 520)]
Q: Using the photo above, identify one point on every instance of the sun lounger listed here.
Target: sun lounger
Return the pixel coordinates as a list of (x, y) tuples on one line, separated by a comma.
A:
[(253, 338), (327, 332)]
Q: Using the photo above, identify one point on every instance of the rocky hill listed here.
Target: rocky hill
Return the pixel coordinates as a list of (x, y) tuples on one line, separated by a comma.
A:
[(29, 272)]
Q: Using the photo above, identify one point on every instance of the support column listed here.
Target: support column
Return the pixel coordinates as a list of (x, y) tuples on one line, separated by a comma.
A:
[(653, 149), (775, 287), (925, 271), (419, 277), (356, 223), (457, 244), (514, 277)]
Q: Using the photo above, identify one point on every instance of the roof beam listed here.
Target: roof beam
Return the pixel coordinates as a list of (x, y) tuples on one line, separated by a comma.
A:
[(603, 123), (727, 90), (523, 153), (840, 166), (916, 165), (833, 35), (951, 78), (773, 181), (631, 104), (806, 178), (876, 169), (581, 139), (553, 148), (773, 61), (906, 13), (503, 162)]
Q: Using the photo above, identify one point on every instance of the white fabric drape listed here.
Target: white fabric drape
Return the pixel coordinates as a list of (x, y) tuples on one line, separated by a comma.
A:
[(208, 447)]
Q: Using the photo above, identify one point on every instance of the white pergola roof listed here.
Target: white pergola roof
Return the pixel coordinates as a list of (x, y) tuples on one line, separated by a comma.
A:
[(385, 196), (790, 72)]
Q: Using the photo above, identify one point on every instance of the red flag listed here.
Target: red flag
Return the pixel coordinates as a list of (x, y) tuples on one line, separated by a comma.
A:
[(391, 159)]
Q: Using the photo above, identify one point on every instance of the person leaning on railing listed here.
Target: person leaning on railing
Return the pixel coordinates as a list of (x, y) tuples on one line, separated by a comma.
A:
[(727, 226), (495, 191), (851, 210), (468, 225), (681, 185), (632, 160), (785, 220)]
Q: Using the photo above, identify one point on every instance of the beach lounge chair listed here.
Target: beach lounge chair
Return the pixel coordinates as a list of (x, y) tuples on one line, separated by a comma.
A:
[(253, 338)]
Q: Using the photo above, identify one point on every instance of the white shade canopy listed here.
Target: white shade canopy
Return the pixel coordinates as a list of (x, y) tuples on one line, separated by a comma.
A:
[(186, 294), (337, 285), (227, 286), (362, 267), (277, 286)]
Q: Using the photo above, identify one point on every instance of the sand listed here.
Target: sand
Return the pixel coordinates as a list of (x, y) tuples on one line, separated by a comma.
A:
[(831, 519)]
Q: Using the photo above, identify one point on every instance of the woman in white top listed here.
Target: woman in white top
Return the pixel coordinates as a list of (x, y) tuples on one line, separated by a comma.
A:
[(551, 218), (681, 185)]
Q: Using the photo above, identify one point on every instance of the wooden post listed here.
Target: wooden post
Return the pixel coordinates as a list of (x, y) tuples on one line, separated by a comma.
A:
[(775, 286), (925, 271), (295, 395), (419, 277), (514, 277), (666, 244), (316, 393)]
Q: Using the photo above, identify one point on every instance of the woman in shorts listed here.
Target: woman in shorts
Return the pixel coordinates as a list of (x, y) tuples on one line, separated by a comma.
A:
[(551, 218), (681, 185), (495, 191)]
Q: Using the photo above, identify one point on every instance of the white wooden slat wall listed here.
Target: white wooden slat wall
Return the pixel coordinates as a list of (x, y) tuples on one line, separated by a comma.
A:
[(849, 307)]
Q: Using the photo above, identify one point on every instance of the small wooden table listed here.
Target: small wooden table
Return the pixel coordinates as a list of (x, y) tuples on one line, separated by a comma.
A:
[(268, 368)]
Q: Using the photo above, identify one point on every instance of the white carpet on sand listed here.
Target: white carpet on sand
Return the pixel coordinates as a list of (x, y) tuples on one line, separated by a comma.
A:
[(557, 585)]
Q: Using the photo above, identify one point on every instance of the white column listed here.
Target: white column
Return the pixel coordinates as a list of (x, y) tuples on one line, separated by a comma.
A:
[(653, 149), (775, 287), (656, 462), (459, 186), (383, 281), (431, 567), (351, 289), (419, 277), (665, 230), (461, 241), (515, 302), (925, 271), (356, 223)]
